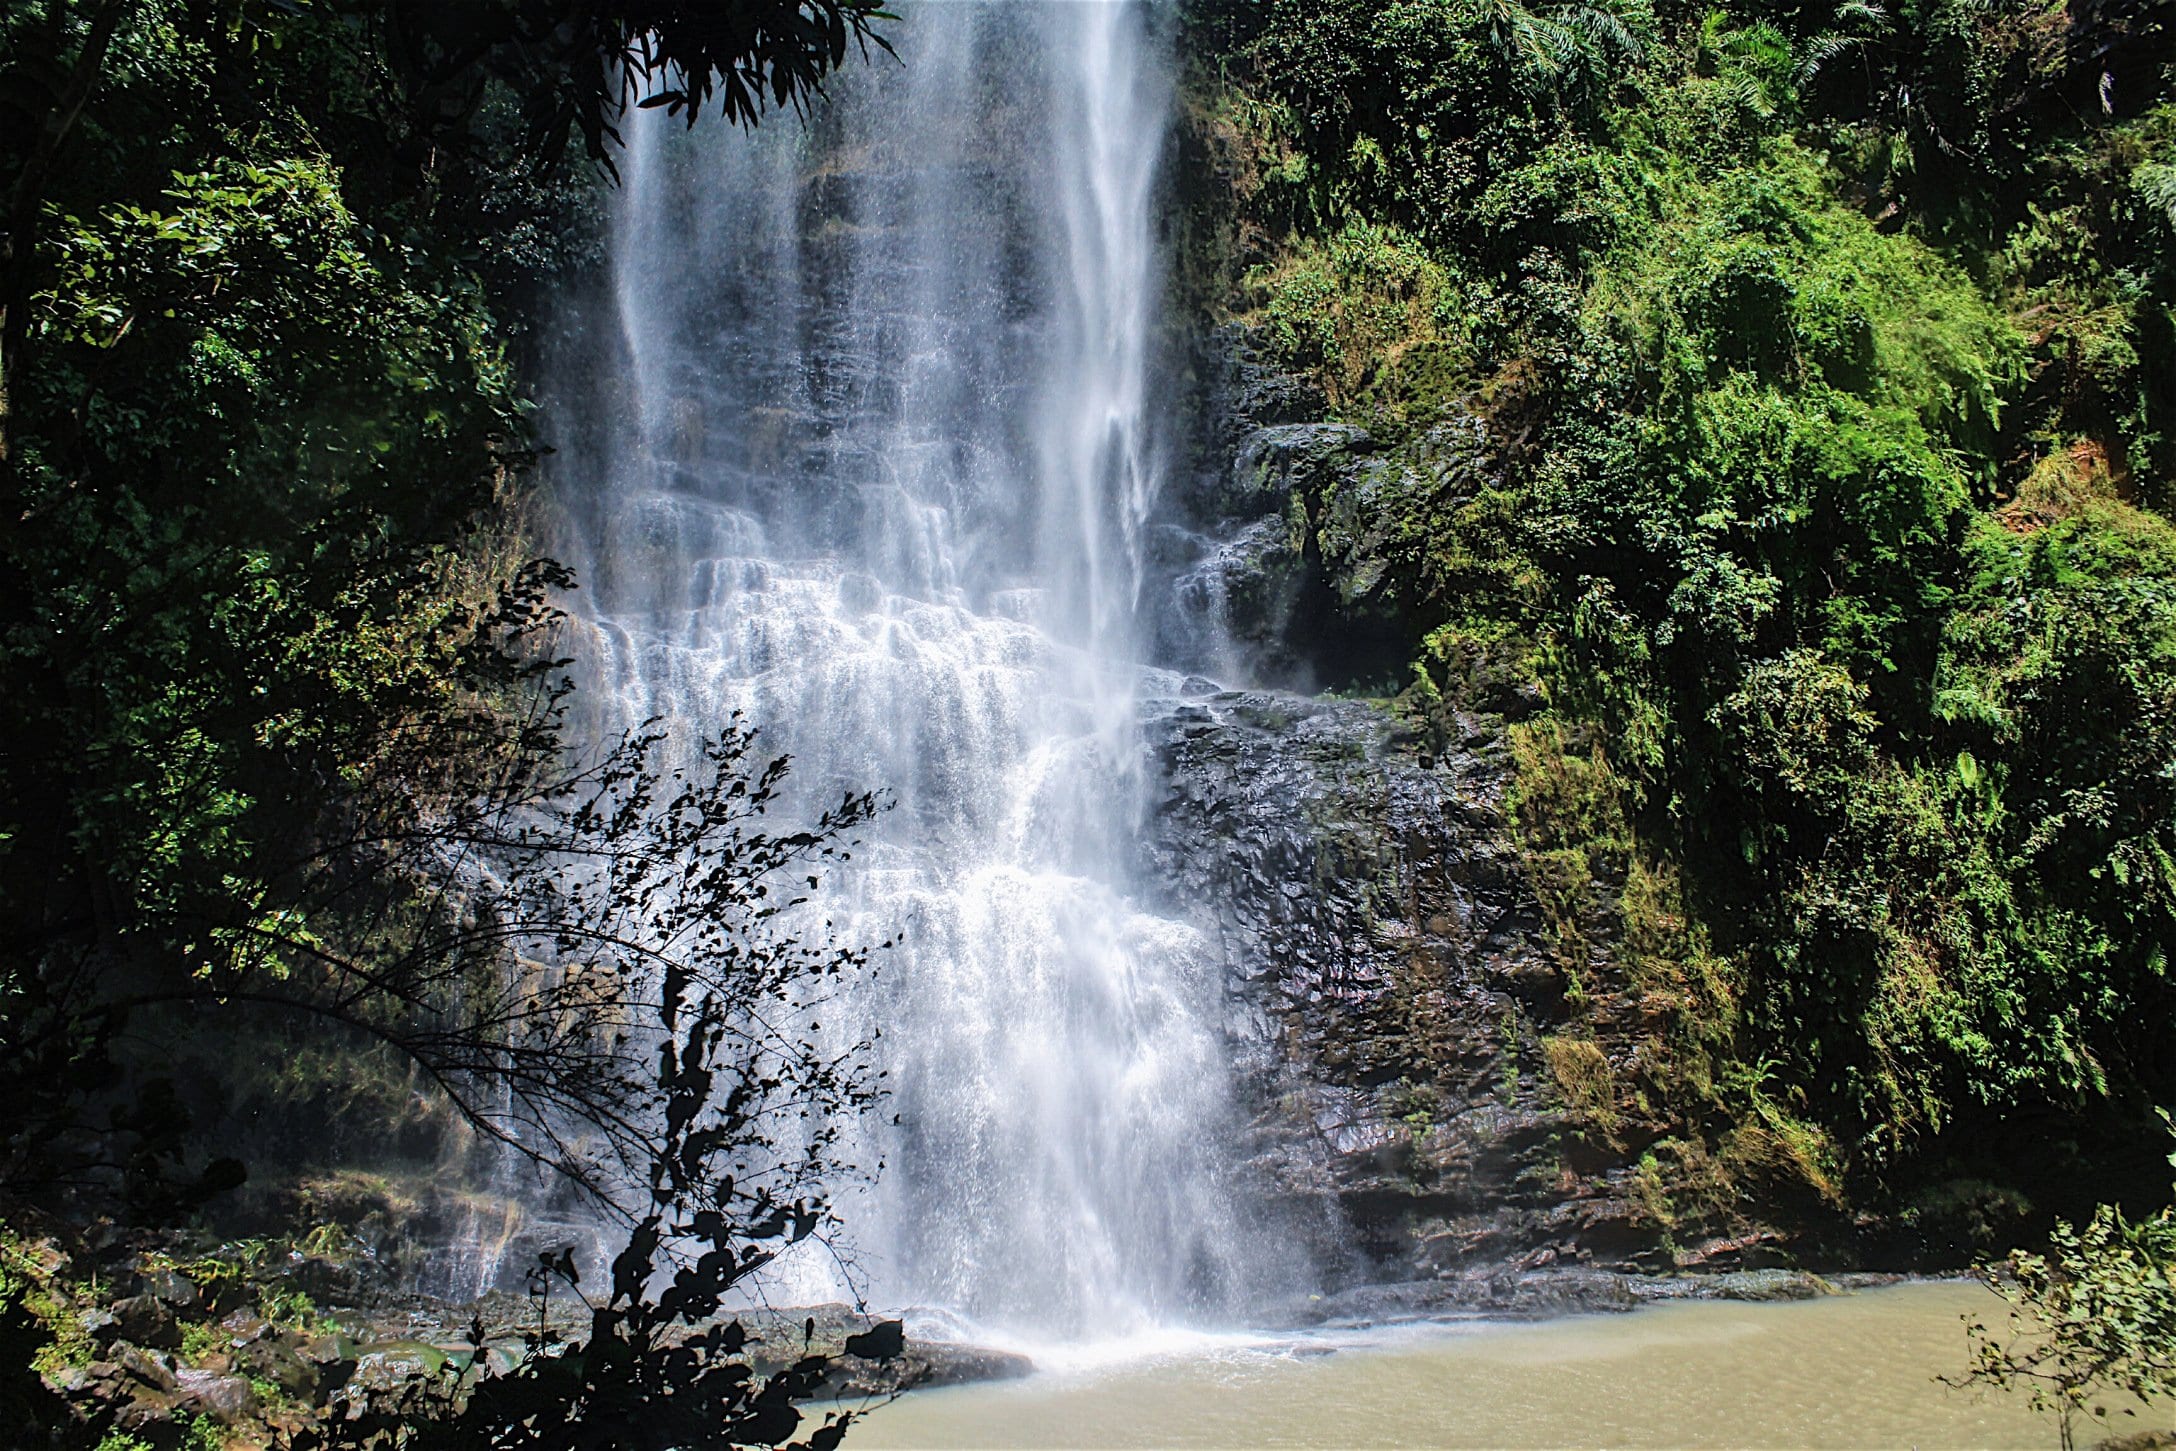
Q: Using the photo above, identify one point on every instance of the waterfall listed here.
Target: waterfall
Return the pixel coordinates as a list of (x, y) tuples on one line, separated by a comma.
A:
[(877, 471)]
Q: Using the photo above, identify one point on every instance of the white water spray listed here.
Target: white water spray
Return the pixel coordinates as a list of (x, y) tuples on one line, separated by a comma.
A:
[(877, 472)]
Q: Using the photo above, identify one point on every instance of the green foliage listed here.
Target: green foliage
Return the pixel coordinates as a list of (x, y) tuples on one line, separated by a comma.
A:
[(288, 1308), (2094, 1317), (46, 1305), (258, 435), (1584, 1076), (1571, 832), (201, 1433), (300, 436), (1374, 316), (1776, 396), (279, 667)]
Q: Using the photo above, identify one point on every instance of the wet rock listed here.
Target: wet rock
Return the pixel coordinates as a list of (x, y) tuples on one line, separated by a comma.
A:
[(1534, 1294), (1751, 1285), (777, 1338), (170, 1288), (927, 1364), (244, 1326), (100, 1327), (274, 1359), (1239, 392), (1239, 595), (226, 1399), (1276, 463), (331, 1361), (1550, 1290), (2139, 1441), (959, 1364), (1389, 984), (1376, 515), (135, 1364), (140, 1408), (146, 1320), (322, 1350), (328, 1281)]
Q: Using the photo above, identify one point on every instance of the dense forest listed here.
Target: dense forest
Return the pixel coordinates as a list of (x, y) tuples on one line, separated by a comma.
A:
[(280, 656), (1766, 410)]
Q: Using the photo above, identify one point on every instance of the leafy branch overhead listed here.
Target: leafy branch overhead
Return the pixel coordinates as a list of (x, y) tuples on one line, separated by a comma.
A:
[(661, 1367), (580, 64)]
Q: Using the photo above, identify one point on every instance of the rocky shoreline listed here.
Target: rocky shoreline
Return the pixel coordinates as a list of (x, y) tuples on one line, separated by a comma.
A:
[(1545, 1294), (148, 1336)]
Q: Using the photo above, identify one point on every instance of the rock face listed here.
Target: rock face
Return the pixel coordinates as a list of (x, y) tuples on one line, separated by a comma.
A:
[(1389, 985)]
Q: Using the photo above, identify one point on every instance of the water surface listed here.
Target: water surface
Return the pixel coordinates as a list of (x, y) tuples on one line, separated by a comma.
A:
[(1848, 1371)]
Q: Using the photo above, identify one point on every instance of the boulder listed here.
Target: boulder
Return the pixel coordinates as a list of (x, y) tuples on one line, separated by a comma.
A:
[(172, 1288), (226, 1399), (140, 1408), (138, 1366), (274, 1359), (146, 1320), (246, 1325)]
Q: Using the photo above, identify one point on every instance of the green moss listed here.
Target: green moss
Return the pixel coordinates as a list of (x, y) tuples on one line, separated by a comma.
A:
[(202, 1433), (1374, 319), (1568, 812), (200, 1339), (29, 1278), (1587, 1081)]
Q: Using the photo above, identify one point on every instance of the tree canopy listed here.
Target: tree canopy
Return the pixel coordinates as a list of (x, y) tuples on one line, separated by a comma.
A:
[(286, 740)]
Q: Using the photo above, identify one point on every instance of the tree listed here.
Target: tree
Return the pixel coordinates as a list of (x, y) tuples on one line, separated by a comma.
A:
[(724, 1189), (2096, 1317), (287, 734), (576, 65), (271, 653)]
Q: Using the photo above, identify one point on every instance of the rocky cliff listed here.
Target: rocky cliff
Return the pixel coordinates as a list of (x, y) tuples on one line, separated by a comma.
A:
[(1391, 974)]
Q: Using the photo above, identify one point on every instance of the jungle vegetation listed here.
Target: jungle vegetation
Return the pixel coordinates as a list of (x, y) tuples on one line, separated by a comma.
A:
[(1818, 544), (284, 765), (1817, 548)]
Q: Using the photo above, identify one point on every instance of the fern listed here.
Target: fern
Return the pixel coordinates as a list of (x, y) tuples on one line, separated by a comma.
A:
[(2155, 183)]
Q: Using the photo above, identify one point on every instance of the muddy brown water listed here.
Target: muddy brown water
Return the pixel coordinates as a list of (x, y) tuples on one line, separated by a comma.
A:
[(1853, 1370)]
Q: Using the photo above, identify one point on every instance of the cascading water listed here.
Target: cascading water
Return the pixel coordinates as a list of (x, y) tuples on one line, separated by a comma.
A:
[(876, 472)]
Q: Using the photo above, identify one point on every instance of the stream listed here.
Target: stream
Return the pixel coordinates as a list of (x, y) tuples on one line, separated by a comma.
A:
[(1852, 1370)]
